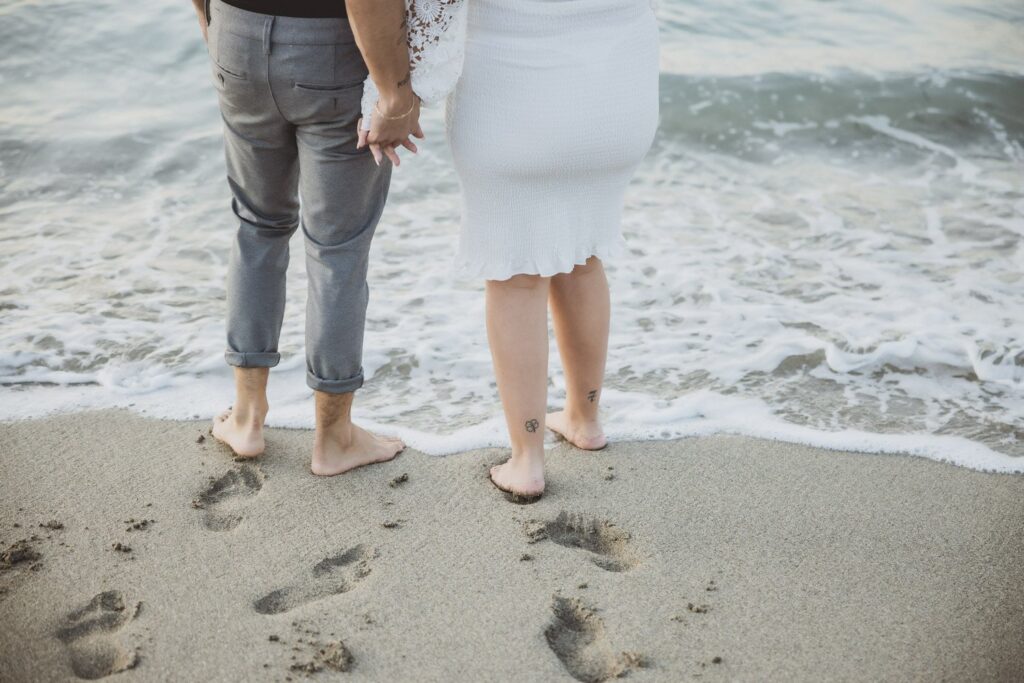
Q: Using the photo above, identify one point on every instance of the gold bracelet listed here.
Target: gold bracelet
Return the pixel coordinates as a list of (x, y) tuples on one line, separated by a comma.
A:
[(384, 116)]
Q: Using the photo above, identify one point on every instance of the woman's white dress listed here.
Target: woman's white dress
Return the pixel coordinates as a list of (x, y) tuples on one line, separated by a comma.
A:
[(551, 105)]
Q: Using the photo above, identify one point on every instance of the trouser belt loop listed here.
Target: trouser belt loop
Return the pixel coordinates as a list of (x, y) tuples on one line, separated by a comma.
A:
[(267, 28)]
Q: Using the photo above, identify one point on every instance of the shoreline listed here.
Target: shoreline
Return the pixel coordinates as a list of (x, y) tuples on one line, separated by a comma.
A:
[(651, 559), (697, 414)]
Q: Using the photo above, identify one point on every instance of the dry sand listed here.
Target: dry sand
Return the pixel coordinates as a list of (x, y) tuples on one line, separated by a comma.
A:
[(718, 558)]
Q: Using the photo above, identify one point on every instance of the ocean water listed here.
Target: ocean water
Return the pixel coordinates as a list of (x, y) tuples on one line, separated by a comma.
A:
[(826, 241)]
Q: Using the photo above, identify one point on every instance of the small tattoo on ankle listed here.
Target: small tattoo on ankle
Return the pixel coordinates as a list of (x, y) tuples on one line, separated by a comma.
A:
[(532, 425), (592, 395)]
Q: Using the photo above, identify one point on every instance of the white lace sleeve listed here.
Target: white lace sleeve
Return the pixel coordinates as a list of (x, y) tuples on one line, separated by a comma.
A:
[(436, 36)]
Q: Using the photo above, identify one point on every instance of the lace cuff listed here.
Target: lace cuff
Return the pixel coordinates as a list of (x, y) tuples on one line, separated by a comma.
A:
[(436, 34)]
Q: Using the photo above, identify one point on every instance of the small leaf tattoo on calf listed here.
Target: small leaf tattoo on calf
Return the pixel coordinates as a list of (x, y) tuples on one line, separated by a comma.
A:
[(532, 425), (592, 395)]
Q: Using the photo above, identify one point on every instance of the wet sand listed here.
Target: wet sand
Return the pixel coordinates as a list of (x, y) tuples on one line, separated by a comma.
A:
[(139, 546)]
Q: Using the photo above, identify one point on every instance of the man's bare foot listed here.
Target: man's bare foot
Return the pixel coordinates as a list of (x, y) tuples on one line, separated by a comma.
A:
[(585, 434), (522, 476), (344, 450), (244, 437)]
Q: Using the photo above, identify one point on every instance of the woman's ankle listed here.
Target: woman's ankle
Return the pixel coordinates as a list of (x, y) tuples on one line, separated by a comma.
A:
[(580, 414), (527, 455)]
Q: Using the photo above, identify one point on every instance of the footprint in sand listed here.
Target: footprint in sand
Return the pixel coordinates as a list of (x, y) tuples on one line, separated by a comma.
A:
[(226, 497), (89, 633), (577, 637), (330, 576), (606, 544)]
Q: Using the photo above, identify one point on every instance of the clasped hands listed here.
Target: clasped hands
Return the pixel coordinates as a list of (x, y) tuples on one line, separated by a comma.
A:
[(395, 121)]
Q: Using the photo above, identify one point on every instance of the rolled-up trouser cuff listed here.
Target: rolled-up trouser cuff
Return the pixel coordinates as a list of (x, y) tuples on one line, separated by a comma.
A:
[(334, 386), (262, 359)]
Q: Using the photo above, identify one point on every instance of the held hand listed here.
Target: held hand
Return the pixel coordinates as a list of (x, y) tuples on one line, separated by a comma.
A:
[(390, 128)]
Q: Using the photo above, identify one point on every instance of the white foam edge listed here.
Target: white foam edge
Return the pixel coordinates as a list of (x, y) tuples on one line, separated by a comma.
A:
[(628, 416)]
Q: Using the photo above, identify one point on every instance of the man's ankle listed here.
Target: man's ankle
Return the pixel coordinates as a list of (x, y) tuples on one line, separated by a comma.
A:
[(340, 433), (251, 415)]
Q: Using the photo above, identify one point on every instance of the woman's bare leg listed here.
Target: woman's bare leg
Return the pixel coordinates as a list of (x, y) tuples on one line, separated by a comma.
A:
[(517, 329), (241, 427), (581, 310)]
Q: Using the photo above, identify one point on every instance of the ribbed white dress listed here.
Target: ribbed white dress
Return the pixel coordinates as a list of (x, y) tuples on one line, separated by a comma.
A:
[(556, 106), (555, 103)]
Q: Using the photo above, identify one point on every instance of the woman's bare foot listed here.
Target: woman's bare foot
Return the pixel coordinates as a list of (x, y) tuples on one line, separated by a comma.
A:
[(243, 436), (585, 434), (522, 476), (345, 449)]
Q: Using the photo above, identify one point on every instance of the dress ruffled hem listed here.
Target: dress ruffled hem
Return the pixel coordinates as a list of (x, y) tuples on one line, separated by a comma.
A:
[(546, 266)]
